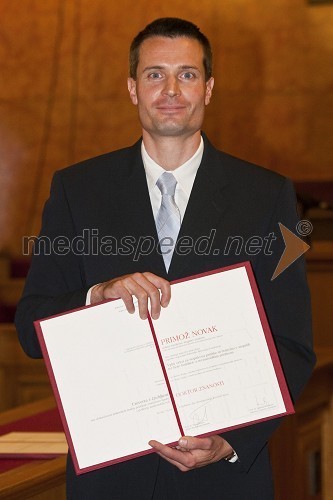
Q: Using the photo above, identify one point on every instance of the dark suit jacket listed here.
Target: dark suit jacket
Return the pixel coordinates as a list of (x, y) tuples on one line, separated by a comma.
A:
[(107, 196)]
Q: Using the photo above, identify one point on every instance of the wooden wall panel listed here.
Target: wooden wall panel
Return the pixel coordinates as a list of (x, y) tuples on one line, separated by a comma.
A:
[(63, 96)]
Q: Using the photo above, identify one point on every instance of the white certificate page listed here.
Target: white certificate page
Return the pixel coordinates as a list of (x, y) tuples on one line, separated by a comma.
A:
[(203, 367), (215, 353), (110, 384)]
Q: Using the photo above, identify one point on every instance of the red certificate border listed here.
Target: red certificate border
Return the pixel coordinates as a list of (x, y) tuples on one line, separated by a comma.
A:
[(269, 341)]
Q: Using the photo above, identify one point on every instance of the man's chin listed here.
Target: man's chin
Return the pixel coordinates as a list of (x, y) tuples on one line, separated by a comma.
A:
[(171, 129)]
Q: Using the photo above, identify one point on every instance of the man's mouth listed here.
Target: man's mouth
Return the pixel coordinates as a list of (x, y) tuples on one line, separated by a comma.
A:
[(173, 108)]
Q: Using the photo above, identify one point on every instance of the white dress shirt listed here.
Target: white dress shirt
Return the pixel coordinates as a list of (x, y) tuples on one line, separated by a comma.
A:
[(184, 174)]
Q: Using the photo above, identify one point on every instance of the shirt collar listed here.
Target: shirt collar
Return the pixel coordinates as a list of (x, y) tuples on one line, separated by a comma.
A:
[(184, 174)]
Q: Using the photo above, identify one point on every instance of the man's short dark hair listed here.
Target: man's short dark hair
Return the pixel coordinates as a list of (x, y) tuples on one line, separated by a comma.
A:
[(171, 27)]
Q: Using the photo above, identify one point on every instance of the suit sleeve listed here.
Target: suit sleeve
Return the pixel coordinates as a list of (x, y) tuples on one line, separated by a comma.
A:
[(287, 303), (55, 282)]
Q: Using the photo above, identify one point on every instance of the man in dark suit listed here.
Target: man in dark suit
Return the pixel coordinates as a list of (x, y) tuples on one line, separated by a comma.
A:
[(228, 211)]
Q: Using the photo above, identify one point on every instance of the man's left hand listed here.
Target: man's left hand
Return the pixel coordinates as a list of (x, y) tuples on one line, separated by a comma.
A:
[(193, 452)]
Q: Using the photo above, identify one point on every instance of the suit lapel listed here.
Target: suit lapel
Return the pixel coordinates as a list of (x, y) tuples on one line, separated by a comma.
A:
[(137, 216)]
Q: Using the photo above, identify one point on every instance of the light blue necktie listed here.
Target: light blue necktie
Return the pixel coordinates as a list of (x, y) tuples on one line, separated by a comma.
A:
[(168, 217)]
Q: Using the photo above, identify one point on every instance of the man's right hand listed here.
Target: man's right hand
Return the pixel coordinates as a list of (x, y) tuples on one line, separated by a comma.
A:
[(146, 287)]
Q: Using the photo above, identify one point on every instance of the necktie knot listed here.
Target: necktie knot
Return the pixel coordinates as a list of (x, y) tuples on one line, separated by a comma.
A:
[(166, 183)]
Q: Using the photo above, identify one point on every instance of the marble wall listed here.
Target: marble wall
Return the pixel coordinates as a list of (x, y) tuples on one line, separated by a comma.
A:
[(63, 95)]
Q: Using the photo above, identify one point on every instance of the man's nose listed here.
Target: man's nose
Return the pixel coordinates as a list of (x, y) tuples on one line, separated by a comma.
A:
[(171, 87)]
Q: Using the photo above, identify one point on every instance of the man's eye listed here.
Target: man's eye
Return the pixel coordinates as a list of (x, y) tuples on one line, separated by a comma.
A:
[(154, 76), (188, 75)]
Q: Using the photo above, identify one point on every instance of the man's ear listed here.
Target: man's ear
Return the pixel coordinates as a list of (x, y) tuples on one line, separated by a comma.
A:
[(209, 90), (131, 85)]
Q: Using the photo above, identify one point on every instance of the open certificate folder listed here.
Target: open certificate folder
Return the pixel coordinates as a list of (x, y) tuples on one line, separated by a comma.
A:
[(207, 365)]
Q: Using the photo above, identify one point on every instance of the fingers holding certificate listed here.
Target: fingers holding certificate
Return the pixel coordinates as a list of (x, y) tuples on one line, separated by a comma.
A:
[(146, 287)]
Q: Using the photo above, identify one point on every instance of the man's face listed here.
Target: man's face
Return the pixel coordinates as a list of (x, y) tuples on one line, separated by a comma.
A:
[(170, 90)]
